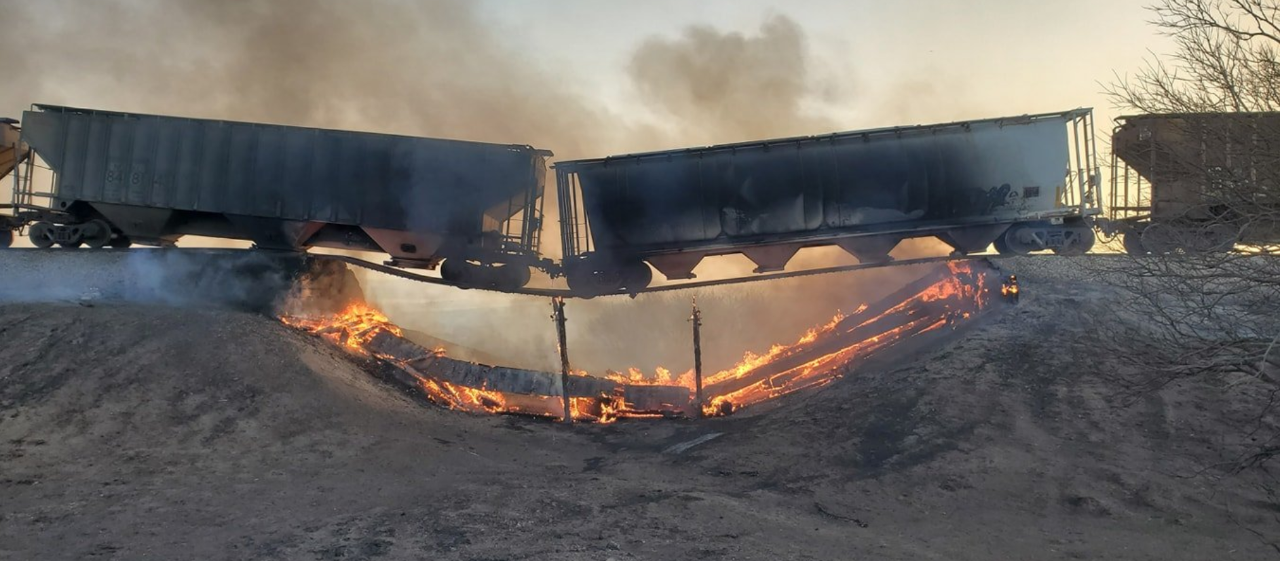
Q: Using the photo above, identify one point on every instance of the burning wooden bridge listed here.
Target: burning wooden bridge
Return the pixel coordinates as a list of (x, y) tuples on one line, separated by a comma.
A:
[(942, 299)]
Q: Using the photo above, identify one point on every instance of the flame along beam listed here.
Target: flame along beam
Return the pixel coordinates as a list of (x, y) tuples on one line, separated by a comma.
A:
[(933, 301), (939, 299), (496, 378), (894, 310)]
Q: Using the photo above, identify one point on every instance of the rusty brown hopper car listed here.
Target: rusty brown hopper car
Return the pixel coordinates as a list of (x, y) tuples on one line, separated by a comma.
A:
[(125, 178), (12, 154), (12, 150), (1195, 182)]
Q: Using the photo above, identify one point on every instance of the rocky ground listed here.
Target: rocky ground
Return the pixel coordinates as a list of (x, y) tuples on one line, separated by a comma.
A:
[(155, 431)]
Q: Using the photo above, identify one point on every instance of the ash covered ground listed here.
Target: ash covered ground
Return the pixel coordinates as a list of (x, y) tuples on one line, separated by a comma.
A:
[(150, 431)]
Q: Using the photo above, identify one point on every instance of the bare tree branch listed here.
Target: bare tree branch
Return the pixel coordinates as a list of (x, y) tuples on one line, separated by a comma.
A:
[(1205, 314)]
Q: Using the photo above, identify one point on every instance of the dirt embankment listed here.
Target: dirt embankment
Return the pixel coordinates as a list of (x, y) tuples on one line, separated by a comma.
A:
[(133, 431)]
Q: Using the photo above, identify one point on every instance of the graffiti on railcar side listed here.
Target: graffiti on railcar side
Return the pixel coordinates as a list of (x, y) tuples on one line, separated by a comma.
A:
[(989, 200)]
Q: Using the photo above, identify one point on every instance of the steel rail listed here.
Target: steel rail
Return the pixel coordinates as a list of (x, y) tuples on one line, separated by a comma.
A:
[(566, 293)]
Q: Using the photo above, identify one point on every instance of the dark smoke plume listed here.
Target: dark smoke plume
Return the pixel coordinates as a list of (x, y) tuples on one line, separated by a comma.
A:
[(724, 87), (430, 68), (423, 68)]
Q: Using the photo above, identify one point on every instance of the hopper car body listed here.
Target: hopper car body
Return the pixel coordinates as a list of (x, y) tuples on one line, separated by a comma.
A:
[(122, 178), (1195, 182), (1024, 183), (475, 209)]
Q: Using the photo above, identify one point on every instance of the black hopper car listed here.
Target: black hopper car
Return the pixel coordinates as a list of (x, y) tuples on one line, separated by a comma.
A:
[(1023, 183), (125, 178)]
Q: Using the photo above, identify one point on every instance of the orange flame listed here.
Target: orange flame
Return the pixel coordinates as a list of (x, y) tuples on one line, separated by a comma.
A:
[(962, 299), (353, 328), (818, 357)]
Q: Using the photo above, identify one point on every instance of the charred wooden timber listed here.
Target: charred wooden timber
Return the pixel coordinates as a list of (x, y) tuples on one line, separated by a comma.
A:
[(696, 319), (557, 305), (893, 318), (780, 374), (426, 363)]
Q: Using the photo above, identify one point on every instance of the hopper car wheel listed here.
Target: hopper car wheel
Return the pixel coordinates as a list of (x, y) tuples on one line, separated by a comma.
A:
[(588, 283), (514, 277), (637, 276), (594, 278), (1013, 242), (457, 271), (1079, 242), (1220, 238), (121, 242), (1003, 248), (96, 234), (6, 238), (41, 235), (506, 277), (1160, 238), (1132, 241)]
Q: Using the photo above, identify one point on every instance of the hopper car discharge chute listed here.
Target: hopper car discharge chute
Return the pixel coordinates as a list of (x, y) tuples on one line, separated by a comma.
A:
[(1023, 183), (123, 178), (1195, 182)]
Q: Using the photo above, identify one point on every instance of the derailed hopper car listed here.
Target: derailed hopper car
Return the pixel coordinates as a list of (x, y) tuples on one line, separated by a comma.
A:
[(1195, 182), (122, 178), (1025, 183)]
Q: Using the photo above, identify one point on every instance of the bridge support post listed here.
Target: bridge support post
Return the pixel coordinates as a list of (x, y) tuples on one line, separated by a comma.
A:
[(697, 356), (557, 315)]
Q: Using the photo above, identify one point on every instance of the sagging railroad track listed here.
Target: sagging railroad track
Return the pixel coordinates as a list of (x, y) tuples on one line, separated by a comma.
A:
[(551, 292)]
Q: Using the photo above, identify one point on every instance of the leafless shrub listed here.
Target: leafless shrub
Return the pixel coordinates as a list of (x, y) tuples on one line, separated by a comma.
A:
[(1225, 59), (1197, 307)]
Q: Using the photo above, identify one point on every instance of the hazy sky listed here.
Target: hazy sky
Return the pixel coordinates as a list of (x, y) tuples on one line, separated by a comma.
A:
[(879, 63), (867, 63)]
